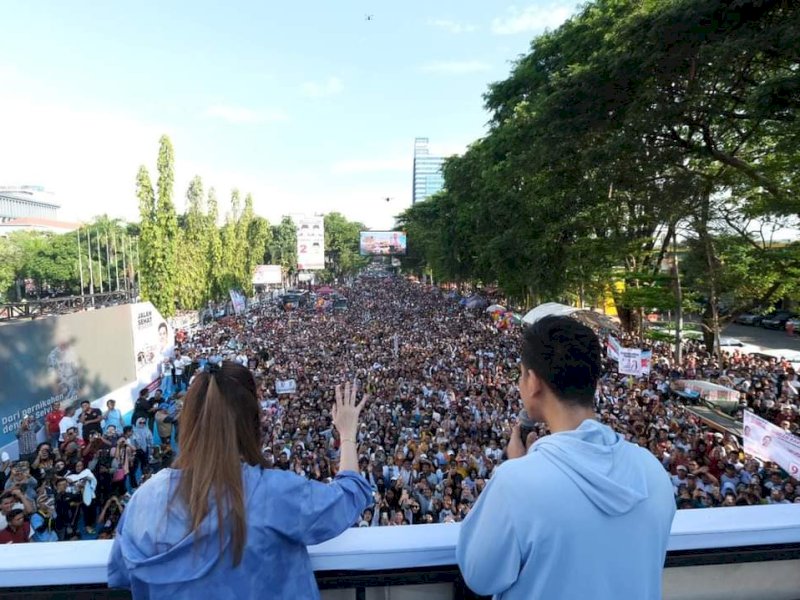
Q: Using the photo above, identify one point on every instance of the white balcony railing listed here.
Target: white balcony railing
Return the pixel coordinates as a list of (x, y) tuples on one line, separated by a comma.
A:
[(416, 547)]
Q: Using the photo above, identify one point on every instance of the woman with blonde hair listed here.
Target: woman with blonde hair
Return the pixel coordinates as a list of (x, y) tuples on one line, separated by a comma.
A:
[(221, 525)]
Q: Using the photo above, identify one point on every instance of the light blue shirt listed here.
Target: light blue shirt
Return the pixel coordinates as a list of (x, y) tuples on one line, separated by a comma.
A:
[(584, 514), (155, 557), (114, 417)]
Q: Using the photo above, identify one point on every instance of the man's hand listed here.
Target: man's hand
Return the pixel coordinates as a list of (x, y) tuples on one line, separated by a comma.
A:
[(515, 449)]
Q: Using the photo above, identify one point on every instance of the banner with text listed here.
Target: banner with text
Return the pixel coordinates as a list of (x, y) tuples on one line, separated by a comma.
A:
[(67, 358), (612, 348), (238, 300), (769, 442), (268, 275), (630, 361), (310, 243), (285, 386)]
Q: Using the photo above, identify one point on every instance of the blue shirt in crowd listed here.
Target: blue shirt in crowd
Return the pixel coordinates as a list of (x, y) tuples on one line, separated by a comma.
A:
[(584, 514), (155, 557)]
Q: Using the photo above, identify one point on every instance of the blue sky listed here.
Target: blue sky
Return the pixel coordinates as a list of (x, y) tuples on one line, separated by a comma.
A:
[(308, 105)]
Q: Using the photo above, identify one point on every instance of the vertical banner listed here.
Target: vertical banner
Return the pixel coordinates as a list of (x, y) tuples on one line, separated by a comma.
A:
[(647, 361), (238, 300), (769, 442), (630, 361), (153, 340), (310, 244), (612, 348)]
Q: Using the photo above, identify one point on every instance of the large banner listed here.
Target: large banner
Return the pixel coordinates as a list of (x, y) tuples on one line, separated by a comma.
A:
[(153, 340), (769, 442), (68, 358), (268, 275), (383, 243), (310, 244)]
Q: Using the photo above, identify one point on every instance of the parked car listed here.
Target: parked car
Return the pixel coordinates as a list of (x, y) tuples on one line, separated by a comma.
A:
[(777, 320), (749, 319), (729, 344)]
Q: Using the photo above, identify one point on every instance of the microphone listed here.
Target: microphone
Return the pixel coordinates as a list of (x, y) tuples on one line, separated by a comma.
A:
[(526, 425)]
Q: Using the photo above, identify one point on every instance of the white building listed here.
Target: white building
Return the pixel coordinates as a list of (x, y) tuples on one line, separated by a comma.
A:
[(26, 201)]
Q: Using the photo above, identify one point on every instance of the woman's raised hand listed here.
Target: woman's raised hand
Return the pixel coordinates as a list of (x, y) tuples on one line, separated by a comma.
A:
[(347, 409)]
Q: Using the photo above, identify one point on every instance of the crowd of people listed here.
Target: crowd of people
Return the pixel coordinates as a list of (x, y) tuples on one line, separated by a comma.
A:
[(443, 386)]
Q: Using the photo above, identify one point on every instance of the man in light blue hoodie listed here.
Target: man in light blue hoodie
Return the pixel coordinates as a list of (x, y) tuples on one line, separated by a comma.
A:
[(582, 513)]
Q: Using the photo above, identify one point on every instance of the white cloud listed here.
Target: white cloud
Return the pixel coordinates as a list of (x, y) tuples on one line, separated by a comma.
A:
[(532, 19), (371, 165), (452, 26), (238, 115), (323, 89), (455, 67)]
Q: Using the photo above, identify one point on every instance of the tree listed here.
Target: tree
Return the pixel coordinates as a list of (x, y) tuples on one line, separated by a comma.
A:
[(192, 272), (149, 237), (213, 250), (167, 224), (283, 247), (342, 245)]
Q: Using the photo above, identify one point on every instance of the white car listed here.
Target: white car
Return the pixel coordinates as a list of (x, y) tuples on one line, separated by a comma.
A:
[(729, 344)]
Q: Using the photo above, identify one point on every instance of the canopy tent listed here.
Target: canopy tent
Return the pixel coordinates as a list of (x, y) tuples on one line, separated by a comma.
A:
[(325, 289), (582, 314)]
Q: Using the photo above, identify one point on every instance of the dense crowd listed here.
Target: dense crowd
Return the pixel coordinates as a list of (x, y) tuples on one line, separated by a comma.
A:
[(442, 381)]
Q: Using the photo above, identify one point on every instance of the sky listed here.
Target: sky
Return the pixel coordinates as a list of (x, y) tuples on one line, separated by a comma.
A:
[(311, 106)]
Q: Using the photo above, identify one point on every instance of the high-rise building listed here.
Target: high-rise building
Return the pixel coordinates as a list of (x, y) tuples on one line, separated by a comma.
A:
[(428, 177)]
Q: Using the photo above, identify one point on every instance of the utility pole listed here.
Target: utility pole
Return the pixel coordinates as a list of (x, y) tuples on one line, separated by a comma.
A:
[(99, 260), (116, 258), (108, 261), (80, 259), (91, 270)]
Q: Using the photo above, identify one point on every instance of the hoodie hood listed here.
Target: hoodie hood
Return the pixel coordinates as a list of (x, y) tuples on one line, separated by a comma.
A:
[(165, 552), (597, 460)]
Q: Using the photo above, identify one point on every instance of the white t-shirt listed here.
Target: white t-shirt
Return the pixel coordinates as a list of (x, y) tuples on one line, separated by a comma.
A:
[(64, 424)]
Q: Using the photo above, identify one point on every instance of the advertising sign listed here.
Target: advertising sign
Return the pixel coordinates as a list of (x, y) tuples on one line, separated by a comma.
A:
[(267, 275), (310, 244), (769, 442), (383, 243)]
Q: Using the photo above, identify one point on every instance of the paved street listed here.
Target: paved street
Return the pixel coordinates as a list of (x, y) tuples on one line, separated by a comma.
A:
[(766, 338)]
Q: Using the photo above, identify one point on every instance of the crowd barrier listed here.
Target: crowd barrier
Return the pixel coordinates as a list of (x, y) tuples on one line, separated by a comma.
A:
[(737, 553)]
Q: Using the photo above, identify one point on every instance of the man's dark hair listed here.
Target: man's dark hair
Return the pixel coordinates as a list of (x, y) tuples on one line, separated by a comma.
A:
[(565, 355), (127, 429)]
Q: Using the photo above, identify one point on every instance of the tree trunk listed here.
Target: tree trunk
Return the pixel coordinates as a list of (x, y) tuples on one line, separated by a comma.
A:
[(711, 312), (678, 301)]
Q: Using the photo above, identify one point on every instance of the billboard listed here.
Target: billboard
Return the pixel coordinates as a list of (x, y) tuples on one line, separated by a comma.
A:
[(382, 243), (67, 358), (310, 243), (268, 275)]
